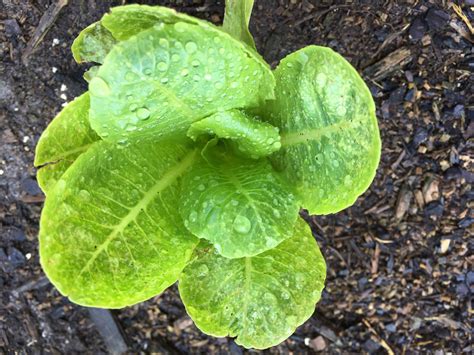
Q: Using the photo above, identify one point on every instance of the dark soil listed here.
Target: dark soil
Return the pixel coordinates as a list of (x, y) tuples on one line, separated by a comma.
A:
[(400, 260)]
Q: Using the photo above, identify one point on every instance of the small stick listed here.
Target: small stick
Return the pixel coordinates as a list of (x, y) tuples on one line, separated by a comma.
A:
[(44, 26), (381, 341)]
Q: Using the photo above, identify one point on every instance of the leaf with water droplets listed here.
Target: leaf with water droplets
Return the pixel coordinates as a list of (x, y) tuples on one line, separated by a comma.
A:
[(329, 133), (252, 138), (67, 136), (232, 201), (237, 18), (93, 44), (180, 72), (260, 299), (110, 236)]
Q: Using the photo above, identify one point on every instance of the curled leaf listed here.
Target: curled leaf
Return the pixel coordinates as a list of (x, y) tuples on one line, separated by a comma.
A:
[(252, 138)]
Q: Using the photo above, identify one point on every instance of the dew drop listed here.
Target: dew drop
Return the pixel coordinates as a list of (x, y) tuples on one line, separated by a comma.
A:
[(234, 203), (191, 47), (242, 224), (341, 110), (162, 66), (175, 57), (203, 270), (133, 107), (148, 71), (130, 76), (195, 63), (180, 27), (143, 113), (164, 42), (276, 213), (164, 80), (184, 72), (98, 87), (193, 216), (201, 187), (277, 145), (321, 79), (208, 77)]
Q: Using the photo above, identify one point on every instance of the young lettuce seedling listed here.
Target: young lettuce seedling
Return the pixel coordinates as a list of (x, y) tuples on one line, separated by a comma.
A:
[(188, 160)]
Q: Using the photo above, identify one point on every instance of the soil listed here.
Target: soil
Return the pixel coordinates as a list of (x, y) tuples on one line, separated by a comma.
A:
[(400, 275)]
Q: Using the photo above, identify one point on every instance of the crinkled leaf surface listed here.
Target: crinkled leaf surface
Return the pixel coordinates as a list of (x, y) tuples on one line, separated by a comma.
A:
[(252, 138), (329, 133), (110, 235), (67, 136), (260, 299), (242, 206), (93, 44), (171, 75), (237, 18)]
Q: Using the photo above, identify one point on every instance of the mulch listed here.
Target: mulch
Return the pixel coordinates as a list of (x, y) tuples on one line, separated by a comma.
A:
[(400, 276)]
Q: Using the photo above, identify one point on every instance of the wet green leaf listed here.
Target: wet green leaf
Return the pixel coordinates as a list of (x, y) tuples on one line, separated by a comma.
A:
[(169, 76), (93, 44), (110, 235), (260, 299), (67, 136), (237, 18), (252, 138), (329, 133), (242, 206)]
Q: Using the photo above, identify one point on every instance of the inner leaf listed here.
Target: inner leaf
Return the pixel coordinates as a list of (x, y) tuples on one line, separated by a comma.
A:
[(252, 138), (242, 206)]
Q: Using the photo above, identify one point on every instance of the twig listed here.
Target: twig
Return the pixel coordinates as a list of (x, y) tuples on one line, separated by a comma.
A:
[(381, 341), (44, 26), (31, 285)]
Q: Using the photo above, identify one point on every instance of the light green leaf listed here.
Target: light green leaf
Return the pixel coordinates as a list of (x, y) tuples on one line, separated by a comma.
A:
[(93, 44), (241, 206), (261, 299), (67, 136), (126, 21), (109, 235), (329, 133), (237, 18), (253, 138), (167, 77)]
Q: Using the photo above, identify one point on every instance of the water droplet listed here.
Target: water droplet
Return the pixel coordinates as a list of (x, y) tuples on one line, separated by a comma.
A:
[(195, 63), (164, 80), (321, 79), (164, 42), (130, 76), (148, 71), (143, 113), (289, 65), (175, 58), (203, 270), (341, 110), (276, 213), (98, 87), (285, 295), (234, 203), (208, 77), (133, 107), (162, 66), (130, 97), (277, 145), (196, 77), (221, 50), (242, 224), (201, 187), (184, 72), (180, 27), (270, 140), (193, 216), (234, 85), (191, 47)]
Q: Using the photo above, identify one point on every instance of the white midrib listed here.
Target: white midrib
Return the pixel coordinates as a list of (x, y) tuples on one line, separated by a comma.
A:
[(293, 138), (160, 185)]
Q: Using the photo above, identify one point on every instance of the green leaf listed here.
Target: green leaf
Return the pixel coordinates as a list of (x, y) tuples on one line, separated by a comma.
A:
[(261, 299), (253, 138), (93, 44), (167, 77), (67, 136), (126, 21), (241, 206), (237, 18), (110, 236), (329, 133)]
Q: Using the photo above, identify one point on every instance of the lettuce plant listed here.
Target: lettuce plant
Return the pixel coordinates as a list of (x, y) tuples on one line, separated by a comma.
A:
[(189, 159)]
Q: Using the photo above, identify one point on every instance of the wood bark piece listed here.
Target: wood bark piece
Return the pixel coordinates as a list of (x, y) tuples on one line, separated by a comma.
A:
[(392, 62), (44, 25)]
